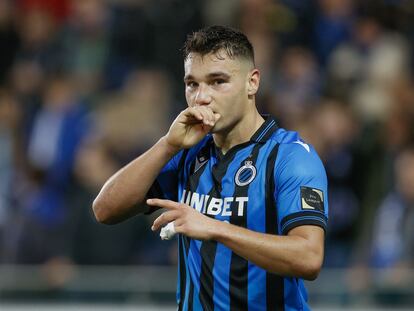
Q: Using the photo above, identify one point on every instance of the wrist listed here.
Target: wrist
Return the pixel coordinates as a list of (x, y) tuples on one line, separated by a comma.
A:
[(171, 150), (217, 230)]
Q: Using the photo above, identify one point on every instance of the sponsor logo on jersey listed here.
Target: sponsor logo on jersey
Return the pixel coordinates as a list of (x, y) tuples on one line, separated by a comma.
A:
[(214, 206)]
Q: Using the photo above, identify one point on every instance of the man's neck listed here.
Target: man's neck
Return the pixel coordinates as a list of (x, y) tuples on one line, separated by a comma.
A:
[(240, 133)]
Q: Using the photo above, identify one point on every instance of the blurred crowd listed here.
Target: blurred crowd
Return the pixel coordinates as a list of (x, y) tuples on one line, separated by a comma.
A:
[(87, 85)]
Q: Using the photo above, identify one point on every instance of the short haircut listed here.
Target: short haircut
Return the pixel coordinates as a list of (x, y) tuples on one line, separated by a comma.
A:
[(215, 38)]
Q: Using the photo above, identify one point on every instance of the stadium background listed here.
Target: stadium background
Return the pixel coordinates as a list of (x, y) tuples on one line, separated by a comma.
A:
[(86, 85)]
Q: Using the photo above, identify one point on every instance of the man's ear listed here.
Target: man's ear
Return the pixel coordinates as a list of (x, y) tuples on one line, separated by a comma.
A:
[(253, 82)]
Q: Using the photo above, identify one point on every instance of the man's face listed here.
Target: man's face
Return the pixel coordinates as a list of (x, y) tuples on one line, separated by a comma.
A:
[(219, 82)]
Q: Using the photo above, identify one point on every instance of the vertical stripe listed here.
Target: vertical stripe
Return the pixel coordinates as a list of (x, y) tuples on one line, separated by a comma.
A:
[(184, 246), (191, 296), (221, 271), (182, 269), (194, 261), (192, 185), (239, 266), (209, 248), (274, 283), (182, 177), (182, 274), (256, 221), (188, 300), (208, 253), (194, 257)]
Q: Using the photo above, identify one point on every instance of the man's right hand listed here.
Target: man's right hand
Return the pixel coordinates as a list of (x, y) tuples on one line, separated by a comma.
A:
[(119, 196), (191, 125)]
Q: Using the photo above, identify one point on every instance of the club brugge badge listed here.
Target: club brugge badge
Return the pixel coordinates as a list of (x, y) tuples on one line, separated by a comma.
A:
[(245, 174)]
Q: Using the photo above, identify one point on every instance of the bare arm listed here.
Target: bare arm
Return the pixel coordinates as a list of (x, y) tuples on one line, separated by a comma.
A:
[(121, 195), (299, 254)]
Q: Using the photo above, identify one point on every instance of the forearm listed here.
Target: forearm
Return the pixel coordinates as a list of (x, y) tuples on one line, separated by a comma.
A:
[(290, 255), (299, 254), (121, 196)]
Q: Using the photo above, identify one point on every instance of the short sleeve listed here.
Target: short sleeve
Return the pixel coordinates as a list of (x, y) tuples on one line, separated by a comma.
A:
[(165, 185), (301, 188)]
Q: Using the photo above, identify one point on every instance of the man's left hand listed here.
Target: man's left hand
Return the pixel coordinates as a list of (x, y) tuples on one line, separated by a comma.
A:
[(187, 220)]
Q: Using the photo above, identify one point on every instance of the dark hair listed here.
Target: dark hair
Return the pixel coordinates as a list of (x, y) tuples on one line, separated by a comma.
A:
[(214, 38)]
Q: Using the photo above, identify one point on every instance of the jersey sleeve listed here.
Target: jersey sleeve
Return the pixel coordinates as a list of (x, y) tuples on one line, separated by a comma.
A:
[(165, 185), (301, 188)]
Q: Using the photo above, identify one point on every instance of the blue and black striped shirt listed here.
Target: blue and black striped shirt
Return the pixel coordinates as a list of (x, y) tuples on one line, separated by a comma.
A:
[(270, 184)]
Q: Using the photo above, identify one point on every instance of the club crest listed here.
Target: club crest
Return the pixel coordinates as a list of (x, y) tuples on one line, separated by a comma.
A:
[(245, 174)]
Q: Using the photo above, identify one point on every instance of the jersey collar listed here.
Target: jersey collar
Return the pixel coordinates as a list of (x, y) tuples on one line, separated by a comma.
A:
[(265, 130)]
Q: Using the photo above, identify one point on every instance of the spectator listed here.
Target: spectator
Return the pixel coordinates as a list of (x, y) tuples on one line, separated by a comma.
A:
[(58, 127)]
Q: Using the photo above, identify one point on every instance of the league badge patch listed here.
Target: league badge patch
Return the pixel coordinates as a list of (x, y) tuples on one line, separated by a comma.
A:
[(312, 199)]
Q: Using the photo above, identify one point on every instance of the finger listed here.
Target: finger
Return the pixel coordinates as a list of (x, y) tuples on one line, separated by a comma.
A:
[(209, 115), (192, 112), (163, 203), (213, 116), (204, 114), (217, 116), (164, 218)]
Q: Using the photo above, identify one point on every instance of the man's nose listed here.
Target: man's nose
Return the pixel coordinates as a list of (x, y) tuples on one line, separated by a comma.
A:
[(203, 96)]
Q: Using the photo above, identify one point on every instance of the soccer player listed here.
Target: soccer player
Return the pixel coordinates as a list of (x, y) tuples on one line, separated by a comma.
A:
[(248, 199)]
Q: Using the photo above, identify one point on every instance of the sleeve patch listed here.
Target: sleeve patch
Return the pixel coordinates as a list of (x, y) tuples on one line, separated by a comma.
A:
[(312, 199)]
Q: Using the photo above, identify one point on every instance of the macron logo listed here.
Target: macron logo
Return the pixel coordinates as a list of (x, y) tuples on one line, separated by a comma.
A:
[(199, 163), (306, 146)]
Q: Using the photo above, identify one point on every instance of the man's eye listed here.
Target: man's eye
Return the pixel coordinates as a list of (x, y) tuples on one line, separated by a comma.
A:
[(218, 81), (191, 84)]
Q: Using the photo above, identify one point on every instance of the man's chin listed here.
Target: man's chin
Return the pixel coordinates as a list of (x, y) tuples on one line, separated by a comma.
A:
[(217, 129)]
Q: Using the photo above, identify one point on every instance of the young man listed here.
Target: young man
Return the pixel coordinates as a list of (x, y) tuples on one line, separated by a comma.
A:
[(247, 198)]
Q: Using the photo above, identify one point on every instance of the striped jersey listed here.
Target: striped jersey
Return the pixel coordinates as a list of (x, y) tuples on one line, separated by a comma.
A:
[(270, 184)]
